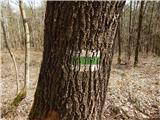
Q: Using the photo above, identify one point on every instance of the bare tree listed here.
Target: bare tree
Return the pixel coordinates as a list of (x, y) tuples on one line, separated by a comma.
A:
[(23, 91), (130, 34), (27, 43), (9, 50), (139, 32), (149, 29), (119, 41)]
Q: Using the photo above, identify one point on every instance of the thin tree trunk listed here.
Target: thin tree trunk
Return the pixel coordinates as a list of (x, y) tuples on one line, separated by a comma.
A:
[(156, 42), (19, 35), (130, 34), (10, 52), (139, 33), (119, 42), (23, 92), (78, 50), (27, 44), (134, 13), (149, 31)]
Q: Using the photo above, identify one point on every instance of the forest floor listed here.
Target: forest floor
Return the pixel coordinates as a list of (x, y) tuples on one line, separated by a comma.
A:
[(133, 92)]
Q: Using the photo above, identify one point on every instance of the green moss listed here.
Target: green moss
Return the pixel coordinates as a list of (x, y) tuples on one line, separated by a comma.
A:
[(21, 95)]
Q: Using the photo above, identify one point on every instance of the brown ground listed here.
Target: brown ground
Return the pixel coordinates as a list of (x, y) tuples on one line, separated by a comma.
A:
[(133, 93)]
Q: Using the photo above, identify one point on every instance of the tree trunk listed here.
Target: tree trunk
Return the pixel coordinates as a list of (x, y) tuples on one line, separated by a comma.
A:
[(27, 44), (119, 41), (22, 94), (134, 29), (130, 36), (149, 30), (78, 48), (139, 33), (10, 52)]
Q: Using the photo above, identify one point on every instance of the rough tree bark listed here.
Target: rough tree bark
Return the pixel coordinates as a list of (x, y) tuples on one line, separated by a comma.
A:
[(139, 32), (68, 87)]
